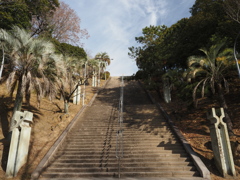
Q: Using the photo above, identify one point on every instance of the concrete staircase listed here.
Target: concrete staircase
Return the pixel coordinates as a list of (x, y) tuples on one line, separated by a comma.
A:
[(150, 149)]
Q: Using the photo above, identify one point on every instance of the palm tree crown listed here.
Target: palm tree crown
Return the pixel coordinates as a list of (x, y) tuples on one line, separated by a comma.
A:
[(31, 64), (211, 70)]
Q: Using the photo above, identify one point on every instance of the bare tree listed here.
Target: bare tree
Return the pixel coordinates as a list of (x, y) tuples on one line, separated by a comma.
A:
[(65, 25)]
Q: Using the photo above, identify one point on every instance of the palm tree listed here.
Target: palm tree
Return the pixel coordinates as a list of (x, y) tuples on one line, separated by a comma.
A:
[(104, 61), (211, 70), (103, 56), (31, 65), (69, 77)]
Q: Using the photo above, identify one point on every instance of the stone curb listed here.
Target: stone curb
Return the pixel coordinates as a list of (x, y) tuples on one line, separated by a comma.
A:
[(49, 156), (205, 173)]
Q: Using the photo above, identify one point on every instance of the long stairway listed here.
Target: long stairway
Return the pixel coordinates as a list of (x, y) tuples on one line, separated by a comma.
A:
[(150, 149)]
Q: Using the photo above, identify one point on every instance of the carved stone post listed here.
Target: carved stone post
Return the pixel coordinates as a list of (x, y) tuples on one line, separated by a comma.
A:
[(94, 80), (77, 95), (220, 143), (166, 90), (19, 145)]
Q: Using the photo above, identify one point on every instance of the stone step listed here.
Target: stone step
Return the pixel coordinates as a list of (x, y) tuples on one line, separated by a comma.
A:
[(123, 174), (125, 136), (126, 146), (162, 156), (139, 153), (131, 127), (63, 164), (126, 120), (127, 139), (96, 119), (113, 142), (130, 116), (125, 131), (142, 162), (136, 132), (122, 168), (149, 144), (127, 152), (112, 152), (126, 178)]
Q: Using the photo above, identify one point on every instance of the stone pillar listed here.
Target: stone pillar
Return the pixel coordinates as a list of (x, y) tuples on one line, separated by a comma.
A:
[(220, 143), (94, 80), (98, 82), (77, 95), (166, 90), (83, 95), (19, 145)]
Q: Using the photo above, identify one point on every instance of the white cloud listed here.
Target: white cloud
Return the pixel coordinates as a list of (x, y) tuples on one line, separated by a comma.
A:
[(114, 24)]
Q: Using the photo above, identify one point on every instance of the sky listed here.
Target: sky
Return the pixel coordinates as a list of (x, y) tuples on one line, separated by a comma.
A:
[(114, 24)]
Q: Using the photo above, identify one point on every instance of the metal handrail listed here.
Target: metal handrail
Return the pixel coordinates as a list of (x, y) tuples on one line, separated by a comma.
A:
[(119, 136)]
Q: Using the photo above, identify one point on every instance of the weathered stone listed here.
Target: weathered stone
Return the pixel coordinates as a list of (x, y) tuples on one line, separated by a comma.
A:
[(94, 80), (77, 95), (220, 143), (166, 90), (19, 143)]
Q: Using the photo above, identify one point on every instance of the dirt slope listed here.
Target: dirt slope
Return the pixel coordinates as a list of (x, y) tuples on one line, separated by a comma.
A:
[(49, 123)]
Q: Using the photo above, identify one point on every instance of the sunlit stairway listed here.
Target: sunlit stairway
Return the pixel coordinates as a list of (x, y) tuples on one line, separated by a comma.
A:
[(150, 149)]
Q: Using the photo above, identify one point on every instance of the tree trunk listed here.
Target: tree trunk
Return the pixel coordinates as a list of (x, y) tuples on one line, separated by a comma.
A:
[(66, 106), (1, 69), (17, 107), (17, 103), (223, 104)]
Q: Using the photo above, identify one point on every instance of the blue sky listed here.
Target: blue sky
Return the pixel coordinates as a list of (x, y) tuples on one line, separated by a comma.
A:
[(114, 24)]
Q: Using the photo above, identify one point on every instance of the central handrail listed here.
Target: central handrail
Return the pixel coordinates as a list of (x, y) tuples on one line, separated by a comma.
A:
[(119, 136)]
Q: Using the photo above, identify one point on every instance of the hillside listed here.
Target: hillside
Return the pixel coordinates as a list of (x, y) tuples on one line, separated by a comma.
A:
[(194, 125), (48, 123)]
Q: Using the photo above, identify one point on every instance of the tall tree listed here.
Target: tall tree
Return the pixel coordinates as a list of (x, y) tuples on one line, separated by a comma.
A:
[(65, 25), (103, 56), (14, 13), (151, 57), (69, 77), (103, 61), (31, 65)]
